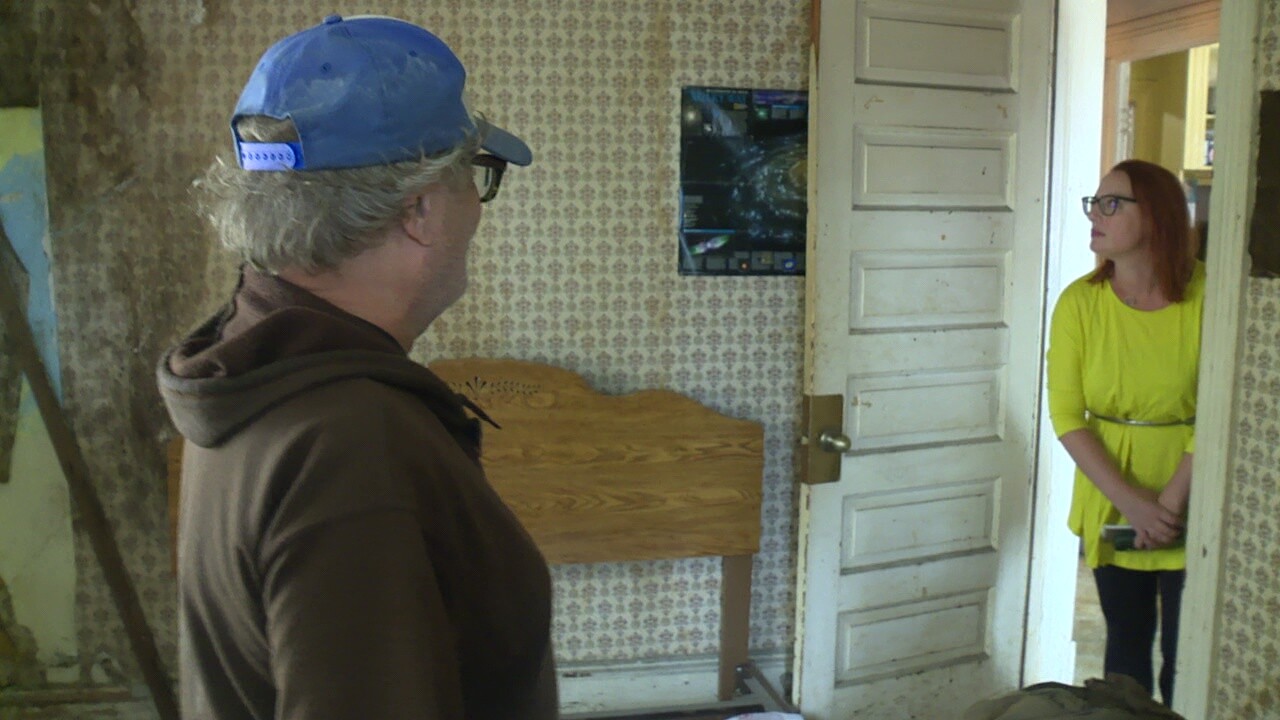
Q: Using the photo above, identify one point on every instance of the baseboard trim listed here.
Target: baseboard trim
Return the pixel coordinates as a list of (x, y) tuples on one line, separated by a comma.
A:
[(606, 687)]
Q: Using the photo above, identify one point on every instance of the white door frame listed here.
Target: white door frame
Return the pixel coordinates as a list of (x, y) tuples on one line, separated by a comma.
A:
[(1050, 650), (1228, 268)]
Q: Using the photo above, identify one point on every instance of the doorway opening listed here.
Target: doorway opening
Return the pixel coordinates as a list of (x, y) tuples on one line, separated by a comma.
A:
[(1159, 105)]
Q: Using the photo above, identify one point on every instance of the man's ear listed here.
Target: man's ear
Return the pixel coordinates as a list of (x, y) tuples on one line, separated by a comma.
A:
[(418, 217)]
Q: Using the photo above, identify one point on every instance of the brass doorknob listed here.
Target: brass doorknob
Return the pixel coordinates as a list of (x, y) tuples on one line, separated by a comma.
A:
[(834, 442)]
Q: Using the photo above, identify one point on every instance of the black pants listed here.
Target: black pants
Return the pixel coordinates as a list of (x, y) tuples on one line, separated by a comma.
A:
[(1129, 604)]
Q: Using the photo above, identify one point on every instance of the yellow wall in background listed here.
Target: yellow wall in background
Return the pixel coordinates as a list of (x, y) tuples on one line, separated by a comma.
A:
[(1158, 92)]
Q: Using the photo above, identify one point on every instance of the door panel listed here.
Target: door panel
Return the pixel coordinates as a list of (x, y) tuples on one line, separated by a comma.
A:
[(914, 351), (885, 528), (896, 412), (925, 303), (901, 584), (905, 290), (937, 44), (925, 167), (892, 641)]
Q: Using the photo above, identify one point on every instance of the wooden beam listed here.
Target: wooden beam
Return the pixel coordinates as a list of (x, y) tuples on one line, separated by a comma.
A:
[(87, 501), (1164, 33), (815, 32), (10, 374)]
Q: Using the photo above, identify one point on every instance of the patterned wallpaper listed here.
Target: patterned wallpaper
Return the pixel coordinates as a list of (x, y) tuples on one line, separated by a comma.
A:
[(574, 264), (1248, 674)]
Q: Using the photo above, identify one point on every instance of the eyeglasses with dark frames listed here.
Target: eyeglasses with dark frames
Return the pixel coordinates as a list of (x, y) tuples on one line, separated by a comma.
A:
[(488, 170), (1107, 204)]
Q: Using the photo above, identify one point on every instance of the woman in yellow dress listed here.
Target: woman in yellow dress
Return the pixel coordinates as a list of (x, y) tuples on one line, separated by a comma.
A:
[(1124, 349)]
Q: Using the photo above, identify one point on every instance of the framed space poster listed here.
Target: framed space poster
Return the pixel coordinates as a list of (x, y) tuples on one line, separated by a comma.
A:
[(743, 191)]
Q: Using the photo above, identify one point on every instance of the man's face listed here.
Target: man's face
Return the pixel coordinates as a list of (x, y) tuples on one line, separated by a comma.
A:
[(456, 213)]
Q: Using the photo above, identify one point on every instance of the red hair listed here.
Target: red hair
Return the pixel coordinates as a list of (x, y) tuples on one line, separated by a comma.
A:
[(1166, 226)]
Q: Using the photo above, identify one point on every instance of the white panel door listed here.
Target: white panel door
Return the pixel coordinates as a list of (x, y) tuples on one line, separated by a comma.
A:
[(925, 294)]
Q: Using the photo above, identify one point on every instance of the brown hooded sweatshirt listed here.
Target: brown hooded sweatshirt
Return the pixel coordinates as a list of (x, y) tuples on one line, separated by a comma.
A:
[(341, 554)]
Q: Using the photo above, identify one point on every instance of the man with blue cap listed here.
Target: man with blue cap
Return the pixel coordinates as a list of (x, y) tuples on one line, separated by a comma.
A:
[(341, 554)]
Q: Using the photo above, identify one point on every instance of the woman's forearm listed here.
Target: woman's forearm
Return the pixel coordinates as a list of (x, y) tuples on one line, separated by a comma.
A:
[(1096, 463), (1176, 494), (1156, 523)]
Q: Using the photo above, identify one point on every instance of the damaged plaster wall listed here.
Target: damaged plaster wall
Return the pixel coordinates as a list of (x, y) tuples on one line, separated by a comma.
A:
[(575, 265), (19, 667), (126, 280)]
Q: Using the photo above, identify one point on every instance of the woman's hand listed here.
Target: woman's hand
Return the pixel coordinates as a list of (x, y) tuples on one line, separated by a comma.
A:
[(1156, 518), (1156, 526)]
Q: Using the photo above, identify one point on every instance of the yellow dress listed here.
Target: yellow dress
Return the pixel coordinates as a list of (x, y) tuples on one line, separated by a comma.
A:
[(1109, 359)]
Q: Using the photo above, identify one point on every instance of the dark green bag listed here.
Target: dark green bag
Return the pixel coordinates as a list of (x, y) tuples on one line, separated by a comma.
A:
[(1119, 697)]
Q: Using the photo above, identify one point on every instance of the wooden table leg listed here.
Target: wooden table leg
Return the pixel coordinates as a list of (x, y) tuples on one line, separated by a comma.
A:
[(735, 620)]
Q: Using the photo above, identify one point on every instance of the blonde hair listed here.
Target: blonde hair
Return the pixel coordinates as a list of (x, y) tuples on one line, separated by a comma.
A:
[(313, 220)]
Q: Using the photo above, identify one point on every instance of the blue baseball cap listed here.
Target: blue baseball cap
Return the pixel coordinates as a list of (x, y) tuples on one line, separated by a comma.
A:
[(363, 91)]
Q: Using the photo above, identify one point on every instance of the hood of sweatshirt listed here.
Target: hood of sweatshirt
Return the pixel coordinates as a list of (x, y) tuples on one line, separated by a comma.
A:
[(274, 340)]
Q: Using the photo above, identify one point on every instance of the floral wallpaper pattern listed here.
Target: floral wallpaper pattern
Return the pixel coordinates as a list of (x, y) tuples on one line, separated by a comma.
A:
[(1247, 679), (1248, 675), (574, 264)]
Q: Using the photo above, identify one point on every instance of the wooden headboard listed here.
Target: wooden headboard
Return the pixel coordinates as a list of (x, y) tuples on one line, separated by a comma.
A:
[(600, 478)]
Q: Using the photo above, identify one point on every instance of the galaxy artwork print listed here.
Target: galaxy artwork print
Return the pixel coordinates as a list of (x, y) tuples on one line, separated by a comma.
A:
[(743, 158)]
